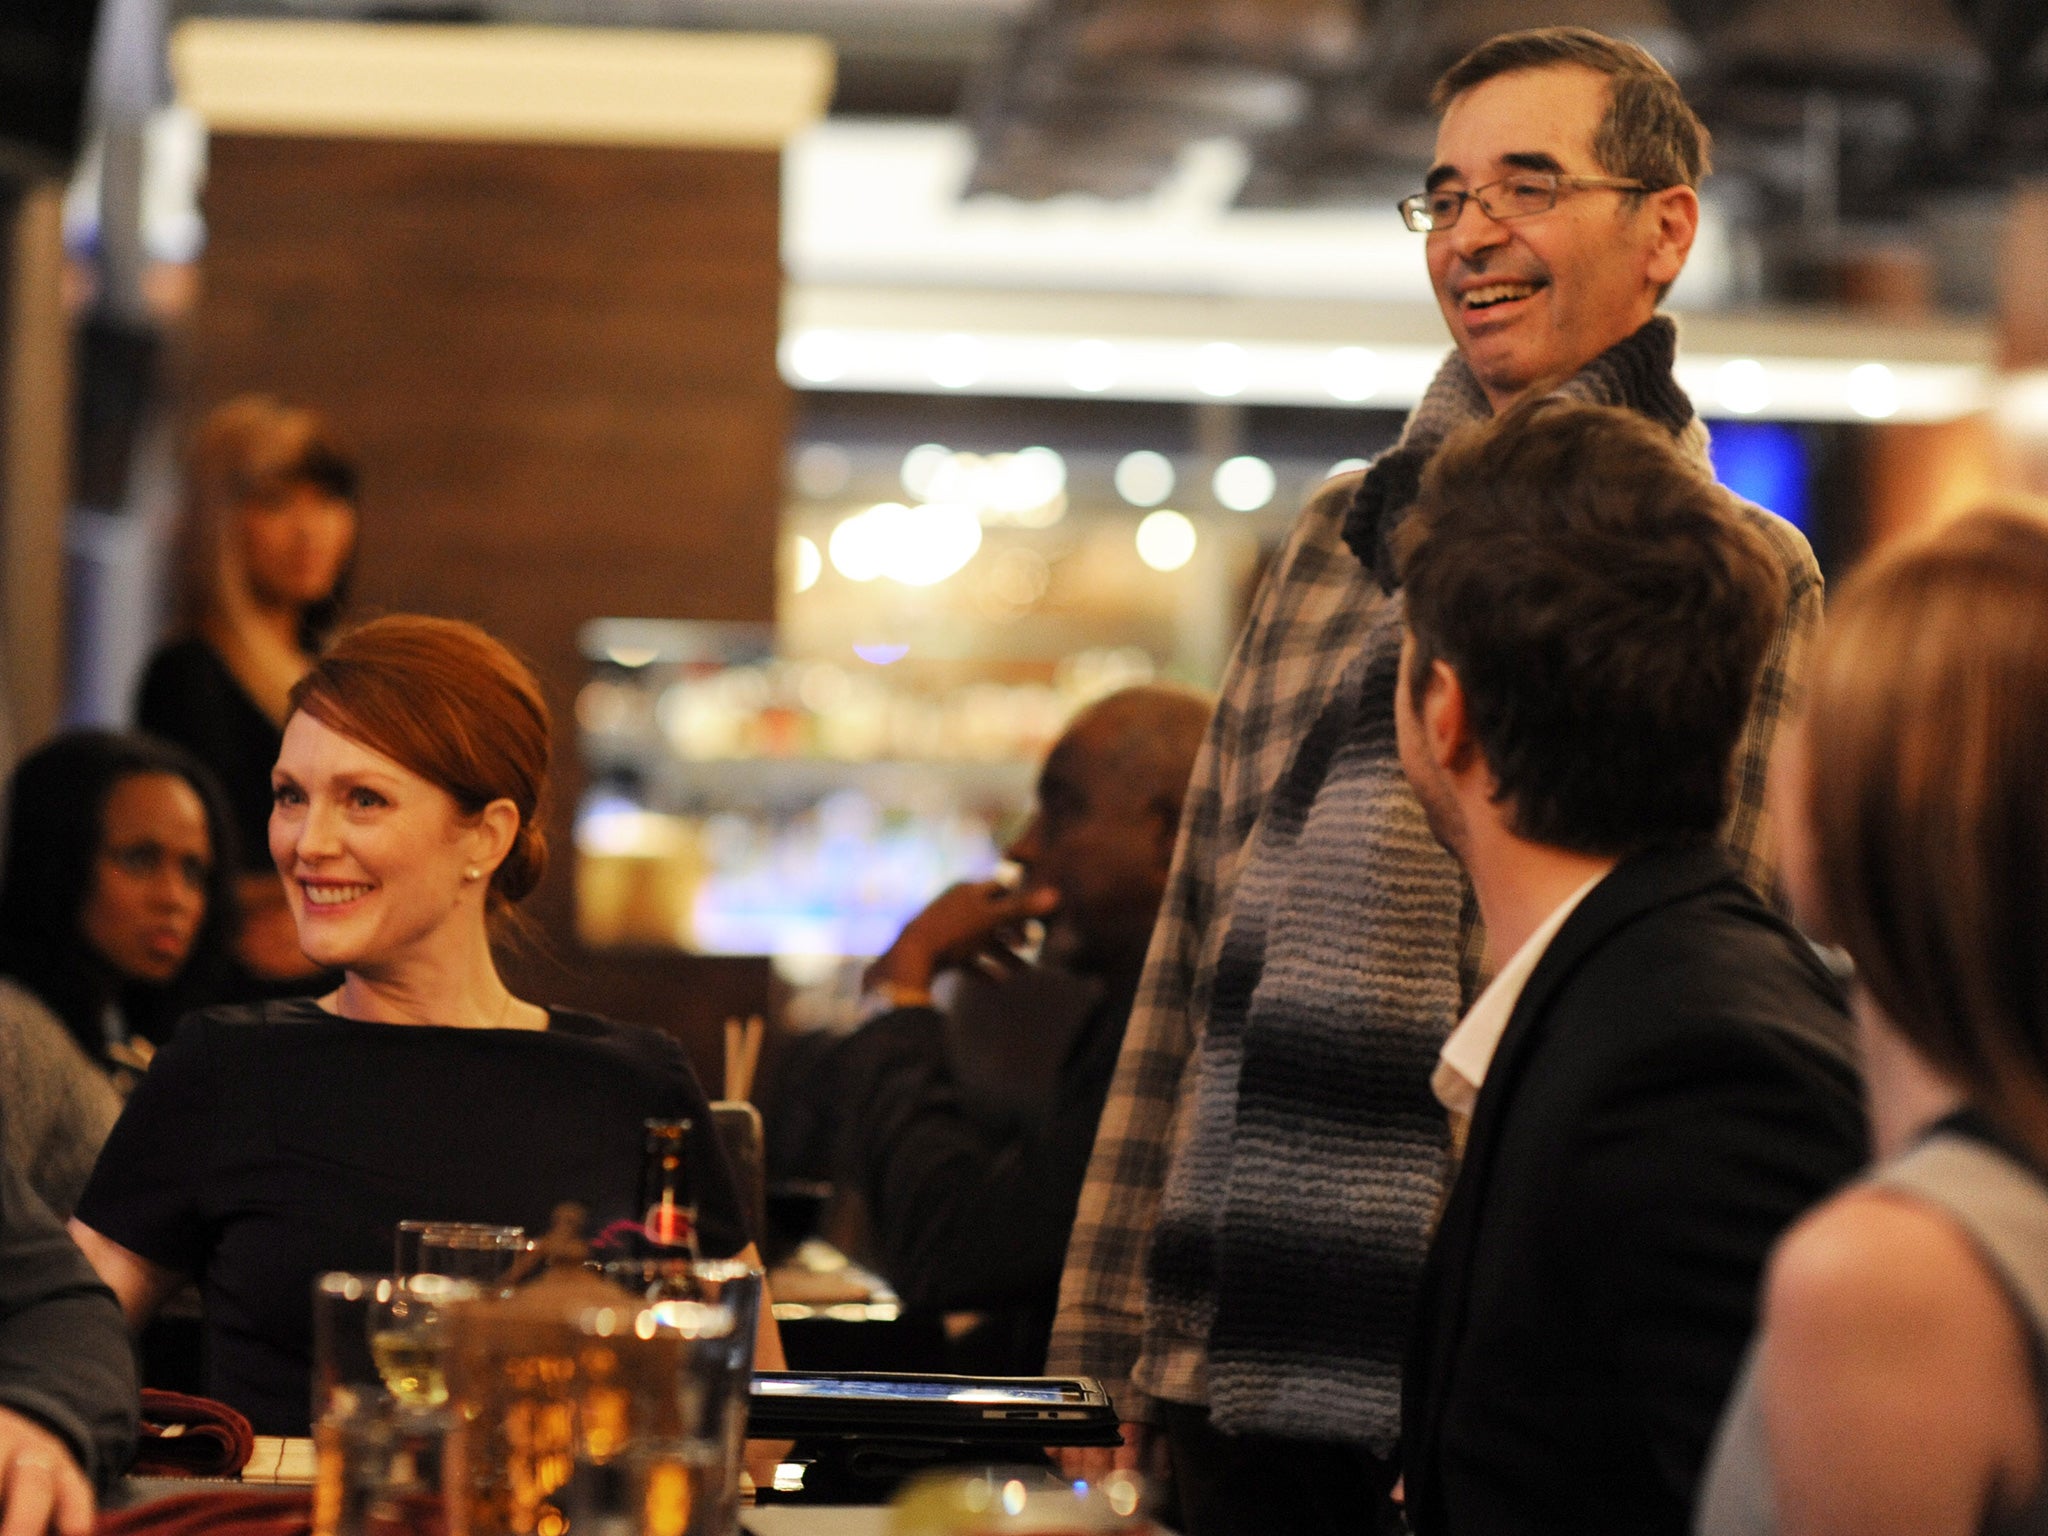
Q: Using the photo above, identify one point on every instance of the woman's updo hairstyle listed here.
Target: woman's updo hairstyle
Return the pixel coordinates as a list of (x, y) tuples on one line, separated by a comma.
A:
[(445, 700)]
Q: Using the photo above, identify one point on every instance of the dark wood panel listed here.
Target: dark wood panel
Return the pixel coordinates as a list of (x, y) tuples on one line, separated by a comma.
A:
[(558, 366), (633, 211), (546, 353)]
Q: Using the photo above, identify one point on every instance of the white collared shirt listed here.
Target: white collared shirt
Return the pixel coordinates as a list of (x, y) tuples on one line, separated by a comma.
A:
[(1461, 1065)]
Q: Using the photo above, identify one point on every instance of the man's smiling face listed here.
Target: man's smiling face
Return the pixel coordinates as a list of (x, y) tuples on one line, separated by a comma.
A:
[(1537, 298)]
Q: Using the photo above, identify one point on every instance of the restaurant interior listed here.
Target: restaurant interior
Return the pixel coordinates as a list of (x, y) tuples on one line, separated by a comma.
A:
[(828, 398)]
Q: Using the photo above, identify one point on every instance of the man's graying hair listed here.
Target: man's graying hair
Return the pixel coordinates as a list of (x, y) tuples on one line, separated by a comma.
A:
[(1649, 134)]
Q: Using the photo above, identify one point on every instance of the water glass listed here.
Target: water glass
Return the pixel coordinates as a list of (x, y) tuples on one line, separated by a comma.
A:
[(465, 1250), (354, 1420), (727, 1370)]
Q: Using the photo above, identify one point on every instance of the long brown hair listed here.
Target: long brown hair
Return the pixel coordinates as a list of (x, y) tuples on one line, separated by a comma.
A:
[(445, 700), (1927, 793), (245, 449)]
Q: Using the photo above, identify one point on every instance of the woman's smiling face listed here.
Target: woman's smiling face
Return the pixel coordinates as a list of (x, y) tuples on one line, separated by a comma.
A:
[(375, 859)]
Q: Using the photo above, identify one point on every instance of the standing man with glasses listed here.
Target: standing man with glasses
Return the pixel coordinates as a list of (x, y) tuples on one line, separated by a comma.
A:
[(1271, 1158)]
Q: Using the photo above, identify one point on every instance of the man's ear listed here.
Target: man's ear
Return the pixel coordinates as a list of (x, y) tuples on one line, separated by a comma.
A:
[(1446, 729), (1675, 220)]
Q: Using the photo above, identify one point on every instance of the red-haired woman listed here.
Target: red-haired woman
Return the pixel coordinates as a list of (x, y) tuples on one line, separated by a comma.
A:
[(270, 1142)]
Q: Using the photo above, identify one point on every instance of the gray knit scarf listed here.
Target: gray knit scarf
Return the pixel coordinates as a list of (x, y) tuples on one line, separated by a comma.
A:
[(1293, 1227)]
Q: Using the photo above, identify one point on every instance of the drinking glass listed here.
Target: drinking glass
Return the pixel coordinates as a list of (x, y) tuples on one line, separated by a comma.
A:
[(726, 1369), (352, 1410), (465, 1250), (651, 1457), (409, 1336)]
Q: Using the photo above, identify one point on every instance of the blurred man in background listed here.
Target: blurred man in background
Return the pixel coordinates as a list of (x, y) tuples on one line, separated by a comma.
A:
[(966, 1216)]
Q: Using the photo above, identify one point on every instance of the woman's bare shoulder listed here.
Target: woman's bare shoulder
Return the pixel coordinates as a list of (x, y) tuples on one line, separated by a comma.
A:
[(1886, 1276), (1896, 1375)]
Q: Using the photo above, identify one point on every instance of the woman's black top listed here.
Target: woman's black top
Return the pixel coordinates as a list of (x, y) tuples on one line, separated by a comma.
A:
[(189, 696), (271, 1142)]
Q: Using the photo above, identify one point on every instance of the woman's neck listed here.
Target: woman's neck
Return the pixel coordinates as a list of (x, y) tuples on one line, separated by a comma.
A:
[(279, 625), (260, 644), (1906, 1094), (456, 984)]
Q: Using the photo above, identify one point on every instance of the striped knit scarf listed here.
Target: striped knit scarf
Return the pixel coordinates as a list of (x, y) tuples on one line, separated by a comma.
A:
[(1292, 1230)]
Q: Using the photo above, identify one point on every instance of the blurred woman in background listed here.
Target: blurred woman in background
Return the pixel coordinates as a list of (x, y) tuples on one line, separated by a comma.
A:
[(273, 1141), (264, 548), (1896, 1382), (113, 891)]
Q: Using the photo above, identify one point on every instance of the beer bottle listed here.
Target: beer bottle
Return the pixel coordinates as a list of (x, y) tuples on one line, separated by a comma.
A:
[(668, 1201)]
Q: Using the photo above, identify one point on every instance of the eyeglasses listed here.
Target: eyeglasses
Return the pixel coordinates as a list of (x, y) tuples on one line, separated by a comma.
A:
[(1512, 197)]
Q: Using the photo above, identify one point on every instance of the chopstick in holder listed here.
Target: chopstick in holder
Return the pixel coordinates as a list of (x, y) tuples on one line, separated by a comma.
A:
[(751, 1049), (742, 1056)]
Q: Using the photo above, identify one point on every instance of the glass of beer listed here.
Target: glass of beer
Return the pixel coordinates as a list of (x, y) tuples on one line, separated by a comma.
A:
[(652, 1458)]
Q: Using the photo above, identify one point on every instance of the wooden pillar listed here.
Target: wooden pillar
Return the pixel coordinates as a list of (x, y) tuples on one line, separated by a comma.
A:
[(35, 463), (1918, 475), (534, 276), (2023, 340)]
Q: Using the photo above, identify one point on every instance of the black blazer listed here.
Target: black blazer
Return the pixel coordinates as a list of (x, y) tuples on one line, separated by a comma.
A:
[(1675, 1085)]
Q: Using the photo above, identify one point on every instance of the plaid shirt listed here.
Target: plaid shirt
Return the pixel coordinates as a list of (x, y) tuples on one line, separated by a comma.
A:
[(1314, 606)]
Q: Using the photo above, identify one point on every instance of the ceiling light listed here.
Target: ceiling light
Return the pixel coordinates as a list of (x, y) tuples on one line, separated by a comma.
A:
[(1222, 369), (1344, 467), (1743, 386), (1144, 478), (957, 477), (1873, 391), (955, 361), (857, 545), (2022, 403), (806, 564), (882, 653), (1091, 366), (818, 357), (922, 467), (1245, 483), (1352, 374), (917, 546), (924, 545), (1785, 386), (1166, 540), (1027, 487)]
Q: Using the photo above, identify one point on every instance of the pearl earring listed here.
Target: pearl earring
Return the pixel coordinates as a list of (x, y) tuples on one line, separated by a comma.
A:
[(471, 873)]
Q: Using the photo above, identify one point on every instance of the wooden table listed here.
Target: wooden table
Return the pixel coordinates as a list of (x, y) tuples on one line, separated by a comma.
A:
[(816, 1520), (280, 1460)]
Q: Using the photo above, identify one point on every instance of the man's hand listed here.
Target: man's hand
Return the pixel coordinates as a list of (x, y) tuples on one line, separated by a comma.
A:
[(1092, 1463), (973, 924), (41, 1488)]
